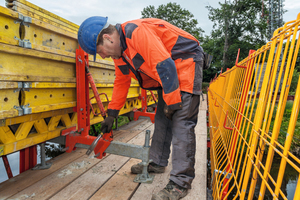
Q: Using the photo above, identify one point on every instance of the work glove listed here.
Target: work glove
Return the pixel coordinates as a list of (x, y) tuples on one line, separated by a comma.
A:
[(168, 112), (107, 124)]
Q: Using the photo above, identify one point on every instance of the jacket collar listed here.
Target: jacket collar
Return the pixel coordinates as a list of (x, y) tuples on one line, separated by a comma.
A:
[(122, 37)]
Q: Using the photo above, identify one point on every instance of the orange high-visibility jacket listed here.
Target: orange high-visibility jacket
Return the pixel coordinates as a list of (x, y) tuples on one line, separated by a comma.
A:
[(159, 56)]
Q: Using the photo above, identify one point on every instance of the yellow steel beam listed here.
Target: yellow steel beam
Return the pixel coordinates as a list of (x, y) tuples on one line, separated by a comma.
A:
[(23, 138), (36, 65), (54, 122), (8, 28), (41, 126), (9, 98), (42, 36), (23, 130), (6, 136), (32, 139), (35, 11), (39, 14)]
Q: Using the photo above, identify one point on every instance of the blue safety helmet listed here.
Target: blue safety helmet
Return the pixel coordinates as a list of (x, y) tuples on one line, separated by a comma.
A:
[(88, 33)]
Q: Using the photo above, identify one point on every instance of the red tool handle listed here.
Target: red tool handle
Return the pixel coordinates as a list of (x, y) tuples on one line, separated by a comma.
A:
[(95, 91)]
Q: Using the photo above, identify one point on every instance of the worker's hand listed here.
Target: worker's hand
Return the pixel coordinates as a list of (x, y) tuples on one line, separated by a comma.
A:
[(168, 112), (107, 124)]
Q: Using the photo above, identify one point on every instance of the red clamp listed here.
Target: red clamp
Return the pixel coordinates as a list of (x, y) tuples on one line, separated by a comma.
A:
[(143, 111), (102, 145)]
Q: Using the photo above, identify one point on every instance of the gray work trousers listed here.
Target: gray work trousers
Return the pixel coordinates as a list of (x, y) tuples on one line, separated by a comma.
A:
[(181, 132)]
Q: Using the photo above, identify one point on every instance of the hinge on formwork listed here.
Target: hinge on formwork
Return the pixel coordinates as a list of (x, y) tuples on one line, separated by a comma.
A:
[(26, 86), (23, 109), (19, 109), (20, 86), (26, 109), (24, 19), (24, 43)]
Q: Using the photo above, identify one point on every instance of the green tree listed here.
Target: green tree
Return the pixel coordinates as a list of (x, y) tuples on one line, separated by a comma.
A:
[(237, 24), (175, 15)]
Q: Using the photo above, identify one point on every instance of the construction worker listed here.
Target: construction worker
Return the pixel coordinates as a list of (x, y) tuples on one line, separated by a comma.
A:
[(160, 57)]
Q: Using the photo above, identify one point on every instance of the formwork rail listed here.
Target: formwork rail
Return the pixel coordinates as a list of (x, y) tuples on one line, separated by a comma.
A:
[(38, 77), (247, 111)]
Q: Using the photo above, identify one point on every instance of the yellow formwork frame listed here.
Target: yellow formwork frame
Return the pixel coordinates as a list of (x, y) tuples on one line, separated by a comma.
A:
[(40, 77), (49, 125), (31, 10), (263, 107)]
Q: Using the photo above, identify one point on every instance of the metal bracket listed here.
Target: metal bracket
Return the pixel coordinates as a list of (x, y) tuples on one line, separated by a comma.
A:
[(19, 109), (132, 151), (221, 172), (24, 43), (27, 85), (26, 109), (43, 164), (25, 19), (20, 86)]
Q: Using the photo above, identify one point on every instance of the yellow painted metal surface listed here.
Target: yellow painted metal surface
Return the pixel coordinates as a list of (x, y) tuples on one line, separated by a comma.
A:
[(247, 109), (38, 77), (31, 10)]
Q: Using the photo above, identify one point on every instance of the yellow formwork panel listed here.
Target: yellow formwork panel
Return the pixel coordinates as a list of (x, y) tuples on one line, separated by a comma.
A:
[(9, 98), (33, 65), (41, 35), (47, 125), (8, 28), (37, 12), (27, 11), (38, 83)]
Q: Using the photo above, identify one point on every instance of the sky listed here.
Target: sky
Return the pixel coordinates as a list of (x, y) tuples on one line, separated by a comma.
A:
[(119, 11)]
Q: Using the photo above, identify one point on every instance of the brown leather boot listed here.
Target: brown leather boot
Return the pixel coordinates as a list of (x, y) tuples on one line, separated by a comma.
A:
[(152, 167), (172, 191)]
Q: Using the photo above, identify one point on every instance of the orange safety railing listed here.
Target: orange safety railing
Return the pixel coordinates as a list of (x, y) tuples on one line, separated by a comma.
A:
[(250, 123)]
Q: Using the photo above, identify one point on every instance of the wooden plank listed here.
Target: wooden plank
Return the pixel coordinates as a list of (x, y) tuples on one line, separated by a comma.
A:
[(120, 186), (54, 182), (199, 184), (198, 190), (145, 191), (90, 182), (23, 180), (49, 185)]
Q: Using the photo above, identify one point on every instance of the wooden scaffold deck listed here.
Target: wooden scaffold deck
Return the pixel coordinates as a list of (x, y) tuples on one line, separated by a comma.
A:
[(78, 176)]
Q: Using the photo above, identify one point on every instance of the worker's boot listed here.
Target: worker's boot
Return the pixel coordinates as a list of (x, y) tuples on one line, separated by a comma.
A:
[(171, 192), (152, 167)]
